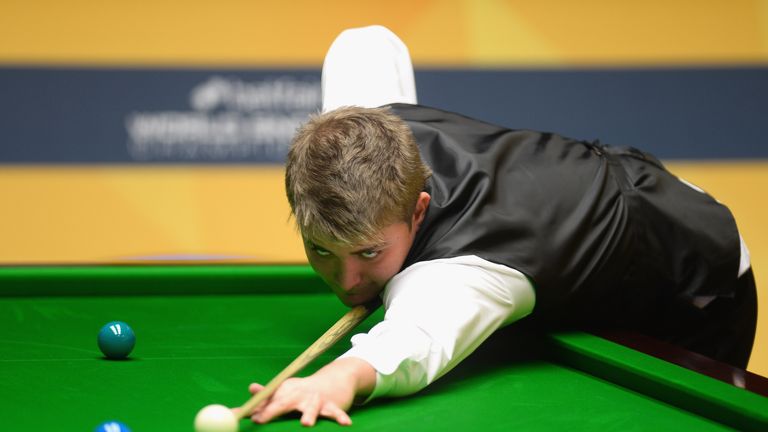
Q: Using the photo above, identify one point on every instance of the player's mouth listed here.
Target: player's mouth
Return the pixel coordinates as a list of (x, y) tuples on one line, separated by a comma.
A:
[(356, 297)]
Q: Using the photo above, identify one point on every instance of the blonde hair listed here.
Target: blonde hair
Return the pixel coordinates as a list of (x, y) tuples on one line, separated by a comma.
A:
[(351, 172)]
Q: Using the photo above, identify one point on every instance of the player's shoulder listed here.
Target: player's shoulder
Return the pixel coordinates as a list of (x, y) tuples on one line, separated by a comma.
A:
[(426, 119), (454, 269), (430, 115), (466, 277)]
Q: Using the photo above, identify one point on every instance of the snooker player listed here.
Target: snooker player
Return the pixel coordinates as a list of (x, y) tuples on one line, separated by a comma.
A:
[(462, 227)]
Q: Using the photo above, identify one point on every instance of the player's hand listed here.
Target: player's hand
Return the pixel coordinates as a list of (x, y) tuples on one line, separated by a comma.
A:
[(328, 393), (314, 397)]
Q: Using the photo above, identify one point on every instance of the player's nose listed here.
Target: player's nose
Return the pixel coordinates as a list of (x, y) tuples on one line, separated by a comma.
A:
[(348, 274)]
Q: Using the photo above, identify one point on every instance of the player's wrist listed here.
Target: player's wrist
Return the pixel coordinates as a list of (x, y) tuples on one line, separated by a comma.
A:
[(358, 374)]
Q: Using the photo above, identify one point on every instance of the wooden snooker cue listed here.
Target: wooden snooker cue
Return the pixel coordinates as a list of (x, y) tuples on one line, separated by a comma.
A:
[(343, 326)]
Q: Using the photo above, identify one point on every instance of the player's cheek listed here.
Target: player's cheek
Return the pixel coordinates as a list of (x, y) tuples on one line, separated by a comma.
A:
[(321, 267), (388, 268)]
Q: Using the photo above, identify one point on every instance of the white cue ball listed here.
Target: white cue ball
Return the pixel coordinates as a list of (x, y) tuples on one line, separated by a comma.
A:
[(216, 418)]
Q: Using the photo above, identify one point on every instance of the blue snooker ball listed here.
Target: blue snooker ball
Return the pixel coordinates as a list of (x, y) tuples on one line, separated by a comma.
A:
[(112, 426), (116, 340)]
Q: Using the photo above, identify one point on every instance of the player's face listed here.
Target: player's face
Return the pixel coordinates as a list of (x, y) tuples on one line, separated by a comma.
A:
[(357, 274)]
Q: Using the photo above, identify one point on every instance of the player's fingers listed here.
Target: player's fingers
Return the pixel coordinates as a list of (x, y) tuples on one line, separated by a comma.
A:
[(275, 408), (255, 387), (237, 412), (332, 411), (309, 411)]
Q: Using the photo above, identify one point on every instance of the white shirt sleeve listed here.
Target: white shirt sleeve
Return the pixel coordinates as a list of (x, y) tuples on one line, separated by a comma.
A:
[(437, 313)]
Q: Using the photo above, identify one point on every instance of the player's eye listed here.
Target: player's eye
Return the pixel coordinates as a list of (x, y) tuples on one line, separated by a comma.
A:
[(322, 252), (319, 251), (369, 254)]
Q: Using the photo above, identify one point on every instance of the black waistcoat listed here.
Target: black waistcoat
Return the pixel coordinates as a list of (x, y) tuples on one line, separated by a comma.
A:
[(588, 224)]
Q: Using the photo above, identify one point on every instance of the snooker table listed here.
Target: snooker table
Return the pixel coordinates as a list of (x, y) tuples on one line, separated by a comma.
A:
[(204, 331)]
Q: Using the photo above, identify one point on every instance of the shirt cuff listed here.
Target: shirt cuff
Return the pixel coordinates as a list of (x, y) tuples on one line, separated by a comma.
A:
[(399, 368)]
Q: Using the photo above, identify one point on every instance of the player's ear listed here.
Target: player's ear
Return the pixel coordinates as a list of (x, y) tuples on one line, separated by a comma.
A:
[(420, 211)]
